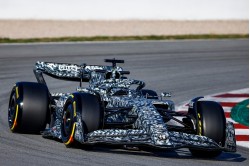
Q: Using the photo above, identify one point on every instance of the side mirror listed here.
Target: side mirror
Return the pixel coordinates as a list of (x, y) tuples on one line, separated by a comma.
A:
[(165, 94)]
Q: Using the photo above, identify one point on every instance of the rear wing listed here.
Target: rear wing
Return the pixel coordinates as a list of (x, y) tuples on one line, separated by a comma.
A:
[(71, 72)]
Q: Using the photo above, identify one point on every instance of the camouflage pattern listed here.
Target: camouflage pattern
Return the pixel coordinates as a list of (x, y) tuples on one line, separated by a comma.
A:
[(149, 127)]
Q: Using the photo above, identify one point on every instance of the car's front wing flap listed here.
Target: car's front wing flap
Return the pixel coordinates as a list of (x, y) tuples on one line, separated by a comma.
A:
[(168, 140), (150, 129)]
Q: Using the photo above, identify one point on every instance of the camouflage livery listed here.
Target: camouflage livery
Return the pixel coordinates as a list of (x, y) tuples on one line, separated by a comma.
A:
[(150, 126)]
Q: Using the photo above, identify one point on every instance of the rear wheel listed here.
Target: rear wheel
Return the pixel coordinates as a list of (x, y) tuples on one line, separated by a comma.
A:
[(89, 110), (28, 107), (211, 123)]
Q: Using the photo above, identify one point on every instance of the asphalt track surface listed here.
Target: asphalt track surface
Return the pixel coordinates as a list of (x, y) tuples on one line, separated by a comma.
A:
[(185, 68)]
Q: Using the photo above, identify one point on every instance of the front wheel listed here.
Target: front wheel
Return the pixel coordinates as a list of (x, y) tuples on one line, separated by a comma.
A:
[(210, 122), (85, 107)]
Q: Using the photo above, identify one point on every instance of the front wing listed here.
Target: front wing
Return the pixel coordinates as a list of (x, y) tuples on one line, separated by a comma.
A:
[(167, 140), (150, 130)]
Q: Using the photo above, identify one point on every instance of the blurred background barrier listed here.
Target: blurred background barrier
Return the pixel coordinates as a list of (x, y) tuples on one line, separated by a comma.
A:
[(58, 28), (60, 18), (125, 9)]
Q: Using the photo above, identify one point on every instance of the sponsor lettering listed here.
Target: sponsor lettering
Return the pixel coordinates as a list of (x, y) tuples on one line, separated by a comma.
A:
[(67, 68)]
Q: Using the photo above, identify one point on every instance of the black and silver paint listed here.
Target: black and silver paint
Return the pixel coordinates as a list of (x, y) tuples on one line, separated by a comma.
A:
[(149, 127)]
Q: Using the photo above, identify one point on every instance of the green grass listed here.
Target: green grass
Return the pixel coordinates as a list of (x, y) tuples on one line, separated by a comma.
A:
[(123, 38)]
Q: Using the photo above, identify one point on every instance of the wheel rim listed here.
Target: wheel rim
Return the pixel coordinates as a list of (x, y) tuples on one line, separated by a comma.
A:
[(12, 110), (68, 120)]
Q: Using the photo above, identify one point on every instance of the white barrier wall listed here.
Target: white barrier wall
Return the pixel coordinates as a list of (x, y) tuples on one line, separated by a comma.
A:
[(125, 9)]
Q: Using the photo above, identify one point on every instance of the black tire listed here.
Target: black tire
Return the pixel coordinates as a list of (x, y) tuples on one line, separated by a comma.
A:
[(149, 94), (28, 107), (213, 124), (89, 108)]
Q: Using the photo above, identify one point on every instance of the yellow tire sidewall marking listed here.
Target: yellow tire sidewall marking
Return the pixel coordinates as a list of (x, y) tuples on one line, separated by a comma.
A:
[(74, 108), (199, 124), (71, 135), (71, 138), (15, 121), (17, 94)]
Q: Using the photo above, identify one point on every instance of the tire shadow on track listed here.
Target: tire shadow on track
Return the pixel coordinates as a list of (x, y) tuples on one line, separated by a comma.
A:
[(170, 154)]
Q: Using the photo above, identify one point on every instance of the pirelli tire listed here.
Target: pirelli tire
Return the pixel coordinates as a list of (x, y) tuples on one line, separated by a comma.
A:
[(211, 122), (88, 109), (28, 110)]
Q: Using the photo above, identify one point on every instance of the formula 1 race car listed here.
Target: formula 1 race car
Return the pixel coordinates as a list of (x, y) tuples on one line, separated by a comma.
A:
[(115, 110)]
